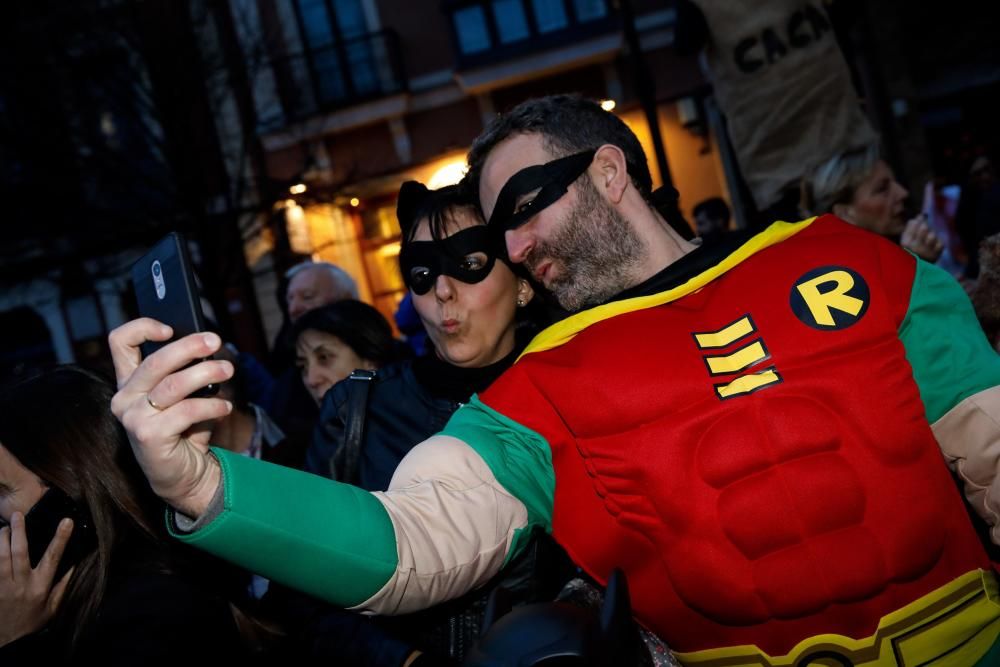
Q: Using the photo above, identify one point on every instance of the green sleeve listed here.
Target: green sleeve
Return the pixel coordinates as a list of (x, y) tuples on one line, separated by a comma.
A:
[(322, 537), (945, 345), (519, 458)]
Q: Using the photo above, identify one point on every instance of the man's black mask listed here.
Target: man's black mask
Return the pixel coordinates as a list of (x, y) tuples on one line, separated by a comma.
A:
[(421, 262), (550, 180)]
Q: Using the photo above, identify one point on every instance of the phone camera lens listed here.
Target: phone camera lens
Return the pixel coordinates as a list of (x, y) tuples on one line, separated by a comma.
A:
[(156, 269)]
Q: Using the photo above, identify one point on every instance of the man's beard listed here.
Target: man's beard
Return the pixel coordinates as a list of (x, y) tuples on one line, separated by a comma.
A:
[(594, 248)]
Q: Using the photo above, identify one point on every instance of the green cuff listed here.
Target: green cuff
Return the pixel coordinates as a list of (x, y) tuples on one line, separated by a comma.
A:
[(328, 539)]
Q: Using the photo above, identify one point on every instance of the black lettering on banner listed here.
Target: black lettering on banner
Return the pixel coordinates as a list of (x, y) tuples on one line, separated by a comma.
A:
[(797, 37), (774, 48), (741, 55), (817, 21)]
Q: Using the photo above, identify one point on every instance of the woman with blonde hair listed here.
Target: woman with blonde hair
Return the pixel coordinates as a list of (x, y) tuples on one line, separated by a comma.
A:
[(859, 187)]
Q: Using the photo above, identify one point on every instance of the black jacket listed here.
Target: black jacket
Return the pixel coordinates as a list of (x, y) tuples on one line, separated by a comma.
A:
[(148, 616), (401, 413), (408, 402)]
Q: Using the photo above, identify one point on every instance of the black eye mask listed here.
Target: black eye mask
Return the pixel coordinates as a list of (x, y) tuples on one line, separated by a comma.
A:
[(551, 180), (421, 262)]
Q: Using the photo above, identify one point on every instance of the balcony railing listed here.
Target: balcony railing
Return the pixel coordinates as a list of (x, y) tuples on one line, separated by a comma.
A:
[(339, 75)]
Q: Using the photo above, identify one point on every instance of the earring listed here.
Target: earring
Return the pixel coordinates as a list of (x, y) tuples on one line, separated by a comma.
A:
[(520, 302)]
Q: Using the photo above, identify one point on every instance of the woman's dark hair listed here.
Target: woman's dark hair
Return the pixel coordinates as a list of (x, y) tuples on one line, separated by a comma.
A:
[(358, 325), (58, 424), (416, 202)]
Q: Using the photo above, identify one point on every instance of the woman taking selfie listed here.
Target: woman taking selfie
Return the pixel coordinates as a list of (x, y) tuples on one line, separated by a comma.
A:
[(468, 300), (472, 306)]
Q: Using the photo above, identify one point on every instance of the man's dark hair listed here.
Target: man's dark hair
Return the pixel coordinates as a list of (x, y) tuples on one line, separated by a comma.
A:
[(714, 208), (568, 124)]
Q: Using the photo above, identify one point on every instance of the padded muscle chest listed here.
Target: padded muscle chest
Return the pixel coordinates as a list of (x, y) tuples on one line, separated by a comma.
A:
[(755, 455)]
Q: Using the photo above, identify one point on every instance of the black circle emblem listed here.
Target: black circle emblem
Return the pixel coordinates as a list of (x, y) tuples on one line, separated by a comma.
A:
[(830, 298)]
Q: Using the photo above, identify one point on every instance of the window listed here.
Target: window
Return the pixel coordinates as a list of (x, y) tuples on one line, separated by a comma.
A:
[(590, 10), (341, 56), (550, 15), (481, 25), (511, 22), (470, 24), (316, 23)]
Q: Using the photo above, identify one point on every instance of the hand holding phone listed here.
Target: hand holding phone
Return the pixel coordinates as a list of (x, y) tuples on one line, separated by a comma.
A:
[(42, 520), (30, 594), (165, 290)]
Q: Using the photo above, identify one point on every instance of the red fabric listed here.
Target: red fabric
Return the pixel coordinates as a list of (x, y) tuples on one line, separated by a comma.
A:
[(814, 505)]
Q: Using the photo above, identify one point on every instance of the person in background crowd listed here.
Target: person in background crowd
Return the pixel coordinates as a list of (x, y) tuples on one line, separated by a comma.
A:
[(978, 213), (315, 284), (248, 429), (285, 399), (859, 187), (409, 324), (697, 394), (334, 340), (711, 219), (130, 597)]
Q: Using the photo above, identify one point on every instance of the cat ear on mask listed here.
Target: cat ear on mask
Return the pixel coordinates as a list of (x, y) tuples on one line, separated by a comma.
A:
[(412, 196)]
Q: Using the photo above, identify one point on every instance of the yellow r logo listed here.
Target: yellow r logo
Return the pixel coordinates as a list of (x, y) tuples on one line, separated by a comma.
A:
[(828, 292)]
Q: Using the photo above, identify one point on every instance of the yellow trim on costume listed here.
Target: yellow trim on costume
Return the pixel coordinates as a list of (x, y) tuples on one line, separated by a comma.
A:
[(564, 331), (954, 625)]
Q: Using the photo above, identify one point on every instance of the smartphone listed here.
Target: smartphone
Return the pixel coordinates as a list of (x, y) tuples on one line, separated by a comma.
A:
[(41, 521), (165, 290)]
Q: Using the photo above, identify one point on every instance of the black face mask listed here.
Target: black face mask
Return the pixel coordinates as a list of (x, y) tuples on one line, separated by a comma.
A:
[(468, 256), (551, 180)]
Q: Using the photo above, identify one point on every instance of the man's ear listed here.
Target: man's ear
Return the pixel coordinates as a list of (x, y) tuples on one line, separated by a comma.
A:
[(611, 174)]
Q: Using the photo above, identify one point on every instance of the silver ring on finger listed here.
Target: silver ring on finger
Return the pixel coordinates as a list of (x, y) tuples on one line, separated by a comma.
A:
[(152, 403)]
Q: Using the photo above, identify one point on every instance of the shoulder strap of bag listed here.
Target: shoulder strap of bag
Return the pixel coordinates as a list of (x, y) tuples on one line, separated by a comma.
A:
[(346, 460)]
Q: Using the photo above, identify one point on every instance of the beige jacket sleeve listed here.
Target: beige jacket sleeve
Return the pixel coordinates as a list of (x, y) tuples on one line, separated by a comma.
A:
[(969, 435), (454, 526)]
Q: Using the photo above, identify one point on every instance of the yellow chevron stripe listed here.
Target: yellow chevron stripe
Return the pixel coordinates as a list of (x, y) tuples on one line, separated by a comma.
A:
[(738, 360), (747, 383), (726, 335)]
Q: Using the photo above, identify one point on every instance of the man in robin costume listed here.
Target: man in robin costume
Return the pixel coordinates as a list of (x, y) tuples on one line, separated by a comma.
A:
[(758, 433)]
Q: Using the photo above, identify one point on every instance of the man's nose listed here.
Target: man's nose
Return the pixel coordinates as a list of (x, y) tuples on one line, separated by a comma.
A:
[(519, 244)]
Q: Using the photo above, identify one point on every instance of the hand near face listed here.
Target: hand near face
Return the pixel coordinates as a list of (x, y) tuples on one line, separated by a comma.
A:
[(169, 432), (29, 597), (920, 239)]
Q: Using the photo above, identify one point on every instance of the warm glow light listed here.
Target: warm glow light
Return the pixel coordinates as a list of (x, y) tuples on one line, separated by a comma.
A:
[(297, 229), (297, 189), (355, 202), (449, 174), (389, 250), (608, 105)]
